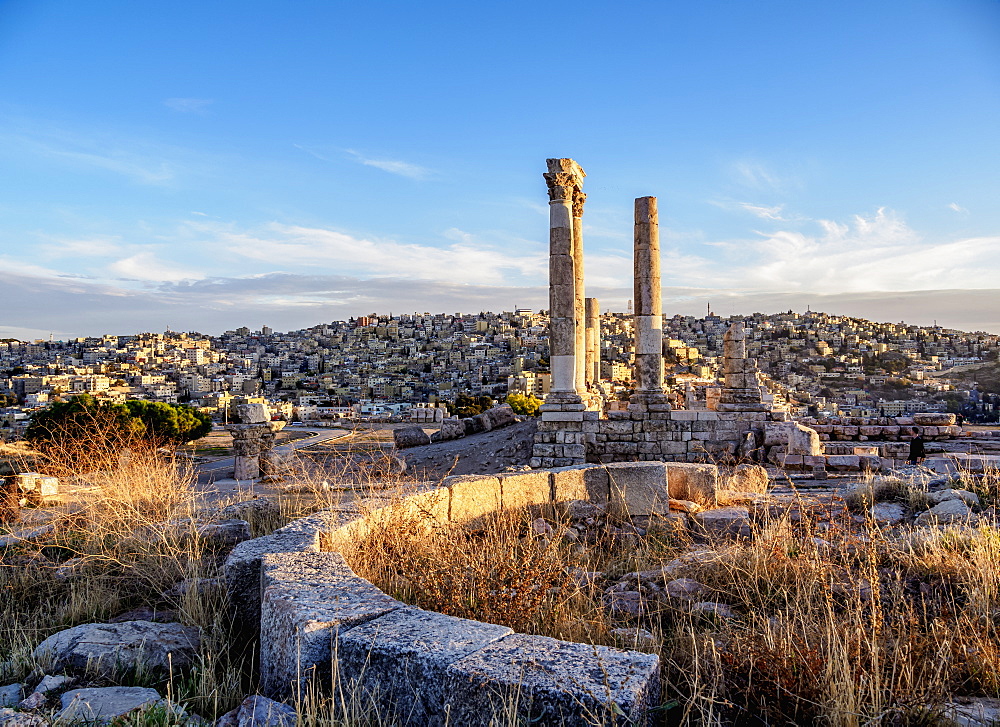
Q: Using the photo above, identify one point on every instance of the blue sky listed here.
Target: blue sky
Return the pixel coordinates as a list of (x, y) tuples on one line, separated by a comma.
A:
[(210, 165)]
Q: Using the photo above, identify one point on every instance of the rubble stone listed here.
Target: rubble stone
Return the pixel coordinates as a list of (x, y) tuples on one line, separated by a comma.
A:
[(110, 650)]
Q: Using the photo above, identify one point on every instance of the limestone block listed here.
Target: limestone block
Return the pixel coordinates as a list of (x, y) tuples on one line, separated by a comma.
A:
[(410, 437), (682, 415), (258, 711), (472, 496), (696, 482), (307, 600), (843, 462), (672, 448), (522, 489), (562, 416), (451, 428), (420, 508), (945, 512), (253, 413), (246, 468), (400, 661), (803, 440), (707, 416), (639, 488), (934, 419), (581, 482), (242, 568), (498, 416), (11, 694), (724, 522), (103, 705), (748, 478), (552, 682)]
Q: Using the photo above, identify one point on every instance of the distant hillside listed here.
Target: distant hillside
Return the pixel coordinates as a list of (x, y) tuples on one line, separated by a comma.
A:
[(987, 376)]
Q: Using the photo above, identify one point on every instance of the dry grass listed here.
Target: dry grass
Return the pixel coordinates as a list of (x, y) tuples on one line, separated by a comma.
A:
[(863, 626)]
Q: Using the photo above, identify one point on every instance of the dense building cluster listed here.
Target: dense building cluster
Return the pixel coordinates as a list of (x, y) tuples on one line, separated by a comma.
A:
[(387, 363)]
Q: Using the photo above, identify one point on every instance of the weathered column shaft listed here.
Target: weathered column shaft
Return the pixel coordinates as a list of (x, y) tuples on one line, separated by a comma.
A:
[(563, 178), (579, 306), (593, 338), (648, 302)]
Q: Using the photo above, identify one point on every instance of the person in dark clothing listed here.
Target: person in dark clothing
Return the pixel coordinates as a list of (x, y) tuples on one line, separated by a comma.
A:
[(917, 451)]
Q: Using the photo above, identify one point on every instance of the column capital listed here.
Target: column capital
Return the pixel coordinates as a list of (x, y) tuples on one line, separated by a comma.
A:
[(578, 199), (562, 186)]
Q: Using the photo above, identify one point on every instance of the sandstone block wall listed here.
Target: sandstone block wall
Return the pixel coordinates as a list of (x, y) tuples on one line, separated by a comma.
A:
[(646, 435)]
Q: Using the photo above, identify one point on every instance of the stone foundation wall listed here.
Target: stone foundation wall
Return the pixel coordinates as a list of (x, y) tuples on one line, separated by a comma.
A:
[(648, 435), (317, 618)]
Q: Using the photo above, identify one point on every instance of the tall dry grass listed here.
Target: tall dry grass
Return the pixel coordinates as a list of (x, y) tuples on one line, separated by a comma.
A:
[(863, 625)]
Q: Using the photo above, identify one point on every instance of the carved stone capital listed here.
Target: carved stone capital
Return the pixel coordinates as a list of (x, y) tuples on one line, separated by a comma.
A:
[(561, 186), (578, 199)]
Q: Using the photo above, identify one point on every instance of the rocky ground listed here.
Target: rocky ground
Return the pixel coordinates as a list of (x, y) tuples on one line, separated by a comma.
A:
[(483, 453)]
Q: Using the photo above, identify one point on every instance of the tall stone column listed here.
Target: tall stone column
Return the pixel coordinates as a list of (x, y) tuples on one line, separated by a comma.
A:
[(648, 307), (564, 179), (560, 440), (579, 302), (593, 338)]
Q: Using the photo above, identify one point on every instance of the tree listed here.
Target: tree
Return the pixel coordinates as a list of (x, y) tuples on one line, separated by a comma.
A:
[(170, 424), (526, 405), (87, 432)]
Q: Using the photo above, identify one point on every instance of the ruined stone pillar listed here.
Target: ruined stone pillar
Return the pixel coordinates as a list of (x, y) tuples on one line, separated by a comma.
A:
[(648, 306), (560, 439), (564, 179), (579, 302), (740, 389), (593, 339)]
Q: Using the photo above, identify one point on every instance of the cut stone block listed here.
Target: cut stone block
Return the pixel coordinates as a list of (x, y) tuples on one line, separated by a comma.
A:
[(472, 496), (553, 682), (696, 482), (525, 488), (639, 488), (307, 599), (401, 660), (581, 482), (242, 568), (725, 522)]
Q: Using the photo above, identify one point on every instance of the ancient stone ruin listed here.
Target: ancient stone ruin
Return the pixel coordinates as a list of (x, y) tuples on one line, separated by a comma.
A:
[(253, 442), (737, 422)]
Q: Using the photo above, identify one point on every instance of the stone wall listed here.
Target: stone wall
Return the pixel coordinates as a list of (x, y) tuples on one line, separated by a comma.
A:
[(649, 435), (317, 618)]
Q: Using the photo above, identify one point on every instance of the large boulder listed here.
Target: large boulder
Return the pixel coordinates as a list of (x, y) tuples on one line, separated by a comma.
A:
[(110, 650), (410, 437)]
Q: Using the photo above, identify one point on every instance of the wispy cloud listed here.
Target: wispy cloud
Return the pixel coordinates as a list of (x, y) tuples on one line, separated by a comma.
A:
[(146, 267), (765, 213), (189, 105), (291, 246), (756, 175), (393, 166), (958, 208)]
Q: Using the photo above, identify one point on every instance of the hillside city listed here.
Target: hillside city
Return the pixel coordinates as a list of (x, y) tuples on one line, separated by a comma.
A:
[(382, 366)]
